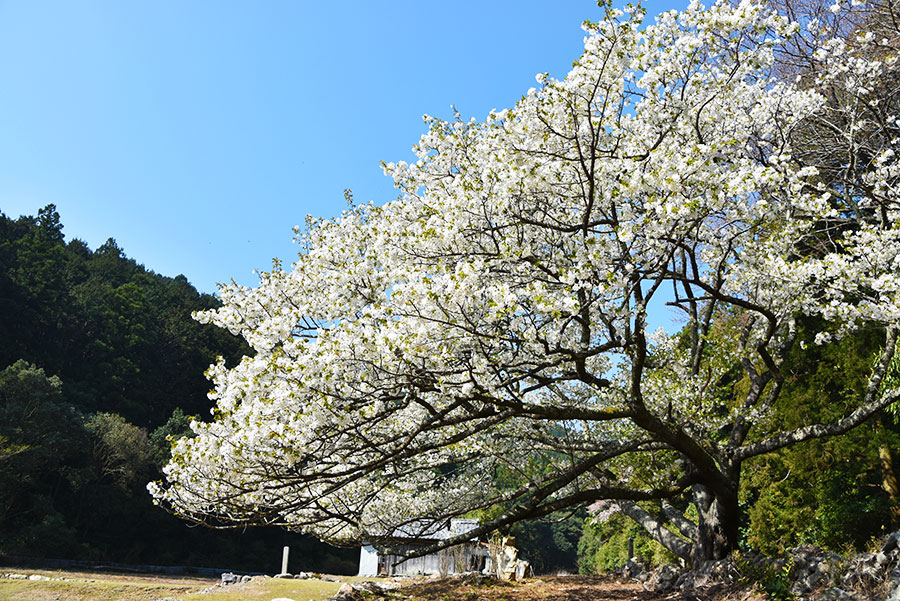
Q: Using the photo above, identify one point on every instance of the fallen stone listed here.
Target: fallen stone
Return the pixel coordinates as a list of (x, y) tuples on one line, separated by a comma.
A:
[(229, 578), (347, 592), (685, 582), (632, 569), (800, 588), (662, 580), (821, 575), (837, 594), (716, 572), (892, 543), (366, 586)]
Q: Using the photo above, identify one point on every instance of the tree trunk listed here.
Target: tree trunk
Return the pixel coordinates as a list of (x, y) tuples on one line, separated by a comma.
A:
[(889, 481), (717, 527)]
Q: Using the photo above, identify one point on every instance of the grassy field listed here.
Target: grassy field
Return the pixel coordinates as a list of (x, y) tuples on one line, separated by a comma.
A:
[(90, 586)]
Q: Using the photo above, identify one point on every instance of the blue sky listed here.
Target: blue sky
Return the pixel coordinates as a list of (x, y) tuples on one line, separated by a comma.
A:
[(199, 133)]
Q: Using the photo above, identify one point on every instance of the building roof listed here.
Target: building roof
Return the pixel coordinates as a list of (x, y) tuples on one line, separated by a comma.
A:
[(429, 530)]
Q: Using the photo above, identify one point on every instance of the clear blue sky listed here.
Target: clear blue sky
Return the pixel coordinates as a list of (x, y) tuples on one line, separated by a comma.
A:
[(199, 133)]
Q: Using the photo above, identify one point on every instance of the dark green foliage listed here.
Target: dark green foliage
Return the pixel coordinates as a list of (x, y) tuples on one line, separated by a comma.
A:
[(178, 426), (126, 358), (825, 492), (45, 448), (121, 337), (550, 545), (121, 451), (604, 546), (773, 578)]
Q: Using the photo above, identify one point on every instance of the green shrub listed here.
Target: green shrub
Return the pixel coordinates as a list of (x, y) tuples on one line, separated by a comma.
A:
[(773, 578), (604, 547)]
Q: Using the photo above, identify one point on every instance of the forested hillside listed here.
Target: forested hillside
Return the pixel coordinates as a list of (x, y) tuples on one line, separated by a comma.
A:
[(100, 362)]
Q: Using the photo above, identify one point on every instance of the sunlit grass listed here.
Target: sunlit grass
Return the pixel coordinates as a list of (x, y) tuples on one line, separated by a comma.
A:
[(84, 586), (269, 588)]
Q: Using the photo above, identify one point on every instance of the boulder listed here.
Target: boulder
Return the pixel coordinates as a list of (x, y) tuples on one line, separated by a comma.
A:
[(632, 569), (346, 593), (229, 578), (366, 586), (716, 572), (663, 579), (820, 575), (686, 582), (358, 591), (800, 588), (837, 594), (892, 543)]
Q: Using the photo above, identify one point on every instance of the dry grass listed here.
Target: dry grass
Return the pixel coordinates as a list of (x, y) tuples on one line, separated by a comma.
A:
[(270, 588), (91, 586)]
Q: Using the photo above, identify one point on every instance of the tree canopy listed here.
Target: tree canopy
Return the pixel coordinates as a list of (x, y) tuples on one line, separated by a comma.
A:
[(493, 318), (118, 335)]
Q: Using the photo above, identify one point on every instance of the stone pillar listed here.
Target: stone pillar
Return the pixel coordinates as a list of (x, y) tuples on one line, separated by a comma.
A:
[(284, 560)]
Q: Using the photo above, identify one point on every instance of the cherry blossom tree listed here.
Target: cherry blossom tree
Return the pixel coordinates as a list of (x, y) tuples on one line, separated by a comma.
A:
[(494, 316)]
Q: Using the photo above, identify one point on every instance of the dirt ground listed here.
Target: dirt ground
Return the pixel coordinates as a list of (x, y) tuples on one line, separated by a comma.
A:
[(106, 586), (563, 588), (568, 588)]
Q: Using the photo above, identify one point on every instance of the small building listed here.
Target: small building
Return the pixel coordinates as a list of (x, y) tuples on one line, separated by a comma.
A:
[(466, 557)]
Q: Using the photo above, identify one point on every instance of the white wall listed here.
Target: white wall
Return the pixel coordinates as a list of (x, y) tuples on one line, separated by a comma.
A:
[(368, 561)]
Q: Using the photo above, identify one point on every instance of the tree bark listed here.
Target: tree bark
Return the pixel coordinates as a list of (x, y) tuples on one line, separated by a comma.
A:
[(889, 480), (717, 527), (684, 525), (656, 529)]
